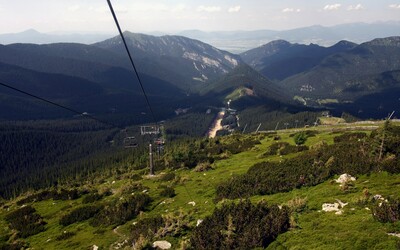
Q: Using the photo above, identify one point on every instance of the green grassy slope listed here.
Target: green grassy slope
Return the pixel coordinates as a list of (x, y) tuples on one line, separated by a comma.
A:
[(311, 228)]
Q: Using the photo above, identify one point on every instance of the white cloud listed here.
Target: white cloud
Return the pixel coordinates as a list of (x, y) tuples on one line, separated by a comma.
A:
[(74, 8), (179, 8), (147, 7), (234, 9), (355, 7), (105, 9), (208, 8), (287, 10), (335, 6), (395, 6)]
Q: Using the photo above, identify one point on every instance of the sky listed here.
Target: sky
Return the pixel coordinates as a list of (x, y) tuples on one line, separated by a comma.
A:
[(177, 15)]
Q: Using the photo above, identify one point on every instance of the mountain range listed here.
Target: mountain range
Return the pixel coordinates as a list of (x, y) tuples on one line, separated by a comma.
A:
[(34, 36), (343, 75), (181, 72), (173, 69), (182, 61), (280, 59), (233, 41), (241, 41)]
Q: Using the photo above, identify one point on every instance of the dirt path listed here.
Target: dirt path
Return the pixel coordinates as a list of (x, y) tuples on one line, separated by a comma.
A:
[(212, 132)]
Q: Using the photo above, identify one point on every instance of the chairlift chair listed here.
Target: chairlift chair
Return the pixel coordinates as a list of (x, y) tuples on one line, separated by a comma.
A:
[(130, 142), (149, 130)]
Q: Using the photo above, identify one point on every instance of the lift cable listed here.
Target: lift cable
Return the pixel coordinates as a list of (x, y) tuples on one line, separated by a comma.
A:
[(131, 60), (60, 106)]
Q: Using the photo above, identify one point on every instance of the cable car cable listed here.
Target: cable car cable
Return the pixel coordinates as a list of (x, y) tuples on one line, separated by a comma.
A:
[(131, 60), (59, 105)]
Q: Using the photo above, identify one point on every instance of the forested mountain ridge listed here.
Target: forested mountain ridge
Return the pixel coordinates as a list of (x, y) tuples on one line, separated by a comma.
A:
[(280, 59), (245, 87), (105, 98), (340, 71), (188, 62), (177, 66)]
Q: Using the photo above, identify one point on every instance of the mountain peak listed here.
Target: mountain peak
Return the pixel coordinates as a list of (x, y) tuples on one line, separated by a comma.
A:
[(277, 43), (344, 44), (393, 41), (30, 32)]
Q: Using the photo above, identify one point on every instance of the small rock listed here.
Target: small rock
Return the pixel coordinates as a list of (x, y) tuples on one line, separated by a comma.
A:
[(367, 208), (344, 178), (378, 197), (199, 222), (340, 212), (394, 234), (342, 204), (113, 182), (330, 207), (162, 244), (95, 247)]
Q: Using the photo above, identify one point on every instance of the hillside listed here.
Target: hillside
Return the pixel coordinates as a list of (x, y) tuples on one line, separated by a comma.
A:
[(253, 84), (181, 69), (179, 60), (82, 94), (188, 202), (280, 59), (338, 76)]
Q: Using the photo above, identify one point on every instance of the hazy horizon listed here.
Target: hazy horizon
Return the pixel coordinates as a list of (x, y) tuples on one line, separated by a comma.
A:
[(89, 32), (142, 16)]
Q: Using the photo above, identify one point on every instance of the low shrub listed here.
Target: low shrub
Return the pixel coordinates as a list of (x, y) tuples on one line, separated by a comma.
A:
[(203, 167), (291, 149), (26, 221), (300, 138), (241, 226), (62, 194), (79, 214), (387, 211), (167, 192), (348, 137), (90, 198), (168, 177), (120, 211), (65, 236), (147, 227)]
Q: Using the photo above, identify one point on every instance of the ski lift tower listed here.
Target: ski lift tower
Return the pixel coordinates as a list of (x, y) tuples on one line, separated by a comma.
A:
[(150, 130)]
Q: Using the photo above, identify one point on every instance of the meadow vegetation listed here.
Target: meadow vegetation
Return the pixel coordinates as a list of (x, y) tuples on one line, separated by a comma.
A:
[(239, 191)]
